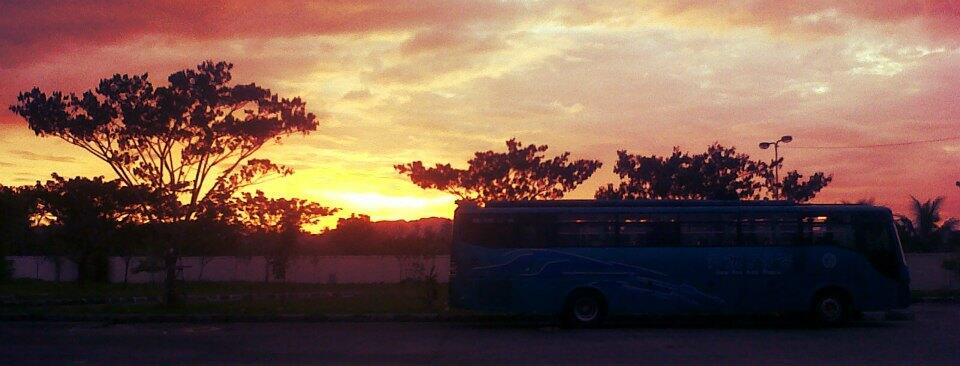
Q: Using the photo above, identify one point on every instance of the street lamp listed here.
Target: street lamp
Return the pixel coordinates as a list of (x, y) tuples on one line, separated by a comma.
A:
[(776, 157)]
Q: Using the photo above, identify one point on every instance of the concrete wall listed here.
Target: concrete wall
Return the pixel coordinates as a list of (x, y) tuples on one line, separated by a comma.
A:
[(927, 272), (320, 269), (926, 269), (43, 268)]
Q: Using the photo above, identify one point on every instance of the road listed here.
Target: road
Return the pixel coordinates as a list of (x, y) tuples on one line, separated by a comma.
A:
[(933, 338)]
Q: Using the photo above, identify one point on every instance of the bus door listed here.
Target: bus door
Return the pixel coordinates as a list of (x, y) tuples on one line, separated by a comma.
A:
[(779, 273), (757, 237), (722, 272)]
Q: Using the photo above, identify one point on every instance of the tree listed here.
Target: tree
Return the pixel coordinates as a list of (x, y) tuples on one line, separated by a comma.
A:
[(17, 205), (193, 138), (720, 173), (794, 188), (85, 215), (355, 235), (279, 222), (521, 173), (926, 230)]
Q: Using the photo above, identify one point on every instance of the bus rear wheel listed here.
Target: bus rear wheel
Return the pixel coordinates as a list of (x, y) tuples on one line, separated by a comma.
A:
[(584, 309), (831, 309)]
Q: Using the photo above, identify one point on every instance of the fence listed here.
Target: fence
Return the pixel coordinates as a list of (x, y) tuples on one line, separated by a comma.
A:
[(926, 269)]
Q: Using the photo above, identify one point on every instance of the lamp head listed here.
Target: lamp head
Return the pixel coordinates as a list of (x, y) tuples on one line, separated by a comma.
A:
[(764, 145), (786, 139)]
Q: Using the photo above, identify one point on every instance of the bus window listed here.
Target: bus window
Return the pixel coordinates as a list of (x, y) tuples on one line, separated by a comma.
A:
[(828, 230), (756, 231), (634, 234), (705, 233), (586, 231), (490, 231), (650, 231), (534, 231), (875, 239), (665, 234), (787, 231)]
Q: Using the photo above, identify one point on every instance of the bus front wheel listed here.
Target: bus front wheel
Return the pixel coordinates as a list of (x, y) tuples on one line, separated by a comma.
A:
[(831, 308), (584, 309)]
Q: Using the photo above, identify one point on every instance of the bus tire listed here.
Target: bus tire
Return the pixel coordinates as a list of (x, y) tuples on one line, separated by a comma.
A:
[(584, 308), (831, 308)]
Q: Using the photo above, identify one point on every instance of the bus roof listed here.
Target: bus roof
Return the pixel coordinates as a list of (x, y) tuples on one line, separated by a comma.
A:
[(637, 203), (663, 205)]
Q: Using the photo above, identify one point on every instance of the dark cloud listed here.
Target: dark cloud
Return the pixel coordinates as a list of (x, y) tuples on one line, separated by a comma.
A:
[(33, 30)]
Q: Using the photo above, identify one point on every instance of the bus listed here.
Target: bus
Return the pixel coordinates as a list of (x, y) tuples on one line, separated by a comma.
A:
[(585, 260)]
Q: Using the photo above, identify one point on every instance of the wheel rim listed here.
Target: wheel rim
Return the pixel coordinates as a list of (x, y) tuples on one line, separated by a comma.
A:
[(831, 309), (586, 309)]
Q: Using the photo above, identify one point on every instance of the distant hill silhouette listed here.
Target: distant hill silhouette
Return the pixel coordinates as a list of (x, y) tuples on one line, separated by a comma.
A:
[(358, 235), (397, 228)]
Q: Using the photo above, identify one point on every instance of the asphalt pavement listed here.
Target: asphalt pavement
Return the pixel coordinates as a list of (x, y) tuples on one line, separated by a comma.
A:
[(932, 338)]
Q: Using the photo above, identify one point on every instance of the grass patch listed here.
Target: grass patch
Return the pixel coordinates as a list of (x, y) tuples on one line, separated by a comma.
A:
[(38, 290), (917, 295), (401, 298)]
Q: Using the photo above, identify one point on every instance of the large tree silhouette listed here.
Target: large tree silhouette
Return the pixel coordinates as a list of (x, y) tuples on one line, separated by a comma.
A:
[(521, 173), (193, 138), (720, 173)]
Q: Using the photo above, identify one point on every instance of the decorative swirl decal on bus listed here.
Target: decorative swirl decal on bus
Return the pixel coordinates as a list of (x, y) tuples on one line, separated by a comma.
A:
[(631, 278)]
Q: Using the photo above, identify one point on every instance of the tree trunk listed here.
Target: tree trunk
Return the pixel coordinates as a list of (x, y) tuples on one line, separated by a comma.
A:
[(57, 267), (126, 269), (266, 269), (170, 279), (82, 269)]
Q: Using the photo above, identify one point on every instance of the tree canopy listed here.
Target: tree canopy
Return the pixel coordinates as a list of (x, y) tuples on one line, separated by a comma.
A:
[(520, 173), (17, 206), (193, 137), (720, 173), (85, 215), (257, 212), (925, 229)]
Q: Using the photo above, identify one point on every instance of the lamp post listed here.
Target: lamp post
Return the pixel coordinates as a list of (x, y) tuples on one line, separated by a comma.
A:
[(776, 157)]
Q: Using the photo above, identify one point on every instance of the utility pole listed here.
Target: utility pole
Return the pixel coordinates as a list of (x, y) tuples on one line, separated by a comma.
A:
[(776, 157)]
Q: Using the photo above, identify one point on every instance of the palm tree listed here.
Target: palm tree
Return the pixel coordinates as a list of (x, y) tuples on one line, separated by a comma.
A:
[(925, 231)]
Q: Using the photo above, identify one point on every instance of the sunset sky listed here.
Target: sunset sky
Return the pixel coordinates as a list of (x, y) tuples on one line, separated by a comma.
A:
[(397, 81)]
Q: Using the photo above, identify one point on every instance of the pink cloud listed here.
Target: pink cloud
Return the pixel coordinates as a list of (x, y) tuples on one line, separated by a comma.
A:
[(940, 17)]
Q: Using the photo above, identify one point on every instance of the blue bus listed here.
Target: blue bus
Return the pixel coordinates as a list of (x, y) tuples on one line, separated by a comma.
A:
[(587, 259)]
